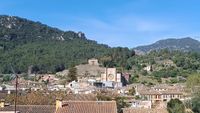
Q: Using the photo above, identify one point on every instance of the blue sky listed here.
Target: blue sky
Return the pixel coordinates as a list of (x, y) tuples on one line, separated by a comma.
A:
[(127, 23)]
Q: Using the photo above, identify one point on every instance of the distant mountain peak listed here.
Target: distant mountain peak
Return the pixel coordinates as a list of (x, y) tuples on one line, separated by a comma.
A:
[(184, 44)]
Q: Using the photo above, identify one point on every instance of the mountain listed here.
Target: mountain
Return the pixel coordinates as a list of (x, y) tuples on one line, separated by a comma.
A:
[(185, 44), (20, 29), (26, 44)]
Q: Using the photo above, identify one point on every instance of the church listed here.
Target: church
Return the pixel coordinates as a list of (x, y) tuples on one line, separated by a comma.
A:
[(111, 78)]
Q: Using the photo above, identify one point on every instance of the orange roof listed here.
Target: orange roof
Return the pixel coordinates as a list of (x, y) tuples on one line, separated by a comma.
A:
[(144, 110), (30, 108), (149, 92), (88, 107), (80, 97)]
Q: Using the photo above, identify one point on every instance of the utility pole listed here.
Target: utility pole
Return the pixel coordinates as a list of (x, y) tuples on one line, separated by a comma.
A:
[(106, 73), (16, 86)]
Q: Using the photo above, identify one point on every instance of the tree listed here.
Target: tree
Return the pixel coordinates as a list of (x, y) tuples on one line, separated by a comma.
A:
[(72, 74), (59, 67), (132, 53), (193, 82), (144, 72), (175, 106), (6, 78), (121, 104), (35, 69), (132, 91), (63, 82), (196, 104), (103, 97), (133, 79)]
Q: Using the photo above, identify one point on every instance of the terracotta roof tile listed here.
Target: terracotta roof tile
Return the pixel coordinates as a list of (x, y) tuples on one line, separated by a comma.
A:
[(144, 110), (80, 97), (88, 107), (31, 108)]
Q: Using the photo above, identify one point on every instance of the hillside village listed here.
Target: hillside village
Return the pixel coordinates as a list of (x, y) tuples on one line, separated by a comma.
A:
[(92, 80), (47, 70)]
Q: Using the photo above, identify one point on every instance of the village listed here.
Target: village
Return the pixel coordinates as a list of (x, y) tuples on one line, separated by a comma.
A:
[(99, 56), (94, 85)]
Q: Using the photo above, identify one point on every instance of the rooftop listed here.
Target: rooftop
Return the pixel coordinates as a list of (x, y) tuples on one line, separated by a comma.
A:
[(88, 107), (30, 108), (144, 110)]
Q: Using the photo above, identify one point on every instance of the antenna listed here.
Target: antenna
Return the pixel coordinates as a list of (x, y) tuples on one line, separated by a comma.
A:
[(16, 85)]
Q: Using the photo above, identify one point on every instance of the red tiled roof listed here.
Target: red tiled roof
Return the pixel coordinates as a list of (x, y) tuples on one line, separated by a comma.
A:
[(149, 92), (88, 107), (175, 92), (155, 92), (144, 110), (31, 108), (80, 97)]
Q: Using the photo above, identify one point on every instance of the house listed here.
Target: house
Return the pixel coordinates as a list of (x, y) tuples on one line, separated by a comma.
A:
[(6, 108), (148, 68), (86, 106), (49, 77), (80, 87), (141, 104), (161, 93), (9, 87), (74, 104), (28, 109), (56, 87), (93, 61), (166, 63)]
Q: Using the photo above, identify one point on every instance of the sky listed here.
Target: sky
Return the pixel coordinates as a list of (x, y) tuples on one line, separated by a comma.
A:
[(126, 23)]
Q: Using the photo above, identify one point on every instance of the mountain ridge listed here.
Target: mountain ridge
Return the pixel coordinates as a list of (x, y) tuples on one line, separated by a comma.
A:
[(183, 44), (14, 23)]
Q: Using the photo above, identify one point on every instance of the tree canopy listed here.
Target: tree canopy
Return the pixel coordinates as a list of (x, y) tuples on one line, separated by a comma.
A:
[(175, 106), (72, 75)]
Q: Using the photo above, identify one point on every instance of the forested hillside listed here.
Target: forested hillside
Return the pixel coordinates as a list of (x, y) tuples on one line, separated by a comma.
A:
[(172, 66), (27, 44)]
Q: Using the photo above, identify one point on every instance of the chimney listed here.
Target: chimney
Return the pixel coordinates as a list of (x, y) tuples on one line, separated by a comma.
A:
[(2, 103), (58, 103)]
